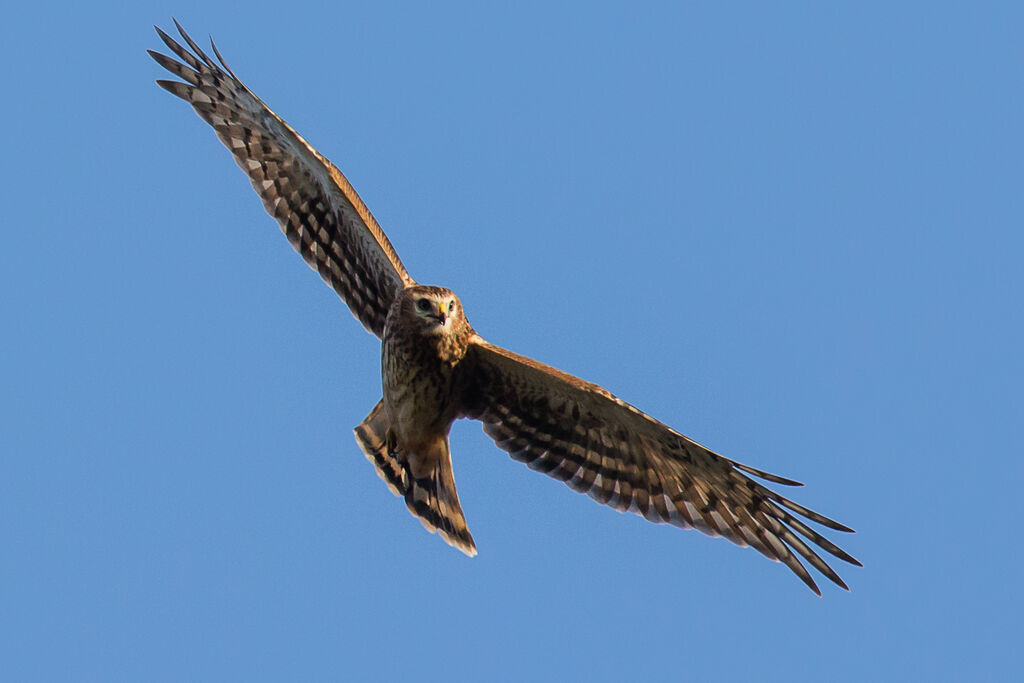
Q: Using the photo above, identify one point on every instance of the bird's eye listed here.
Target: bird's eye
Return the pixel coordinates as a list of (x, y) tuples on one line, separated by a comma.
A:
[(422, 305), (451, 305)]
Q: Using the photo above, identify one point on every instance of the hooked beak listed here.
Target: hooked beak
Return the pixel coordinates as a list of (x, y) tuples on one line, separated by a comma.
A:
[(442, 312)]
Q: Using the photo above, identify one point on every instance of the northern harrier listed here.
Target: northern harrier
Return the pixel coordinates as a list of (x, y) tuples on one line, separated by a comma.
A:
[(436, 368)]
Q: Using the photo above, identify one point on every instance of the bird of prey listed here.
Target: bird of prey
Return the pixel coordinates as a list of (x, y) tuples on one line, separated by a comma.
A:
[(435, 368)]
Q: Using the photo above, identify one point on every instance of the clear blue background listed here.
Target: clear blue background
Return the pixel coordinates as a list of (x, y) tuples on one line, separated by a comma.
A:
[(791, 232)]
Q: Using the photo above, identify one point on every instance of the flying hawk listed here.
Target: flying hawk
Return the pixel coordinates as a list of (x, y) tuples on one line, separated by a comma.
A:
[(435, 368)]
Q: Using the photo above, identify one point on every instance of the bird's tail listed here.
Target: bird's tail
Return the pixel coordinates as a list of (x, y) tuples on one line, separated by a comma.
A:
[(431, 499)]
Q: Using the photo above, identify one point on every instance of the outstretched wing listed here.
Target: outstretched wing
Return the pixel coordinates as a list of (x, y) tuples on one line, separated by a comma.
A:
[(315, 205), (599, 445)]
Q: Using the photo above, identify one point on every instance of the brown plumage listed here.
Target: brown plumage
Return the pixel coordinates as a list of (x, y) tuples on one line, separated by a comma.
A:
[(435, 368)]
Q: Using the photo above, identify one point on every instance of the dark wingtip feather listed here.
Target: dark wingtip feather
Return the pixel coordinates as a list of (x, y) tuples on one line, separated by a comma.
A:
[(177, 49), (830, 523), (221, 59), (192, 44), (813, 586), (164, 37), (767, 476), (176, 68), (177, 88)]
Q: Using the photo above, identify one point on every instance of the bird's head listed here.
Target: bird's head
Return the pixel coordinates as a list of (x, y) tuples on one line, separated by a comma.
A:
[(435, 310)]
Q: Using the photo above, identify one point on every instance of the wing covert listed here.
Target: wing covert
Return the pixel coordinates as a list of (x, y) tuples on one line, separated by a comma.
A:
[(581, 434), (312, 201)]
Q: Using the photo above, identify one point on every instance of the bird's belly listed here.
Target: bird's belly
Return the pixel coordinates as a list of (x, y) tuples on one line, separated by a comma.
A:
[(418, 400), (414, 417)]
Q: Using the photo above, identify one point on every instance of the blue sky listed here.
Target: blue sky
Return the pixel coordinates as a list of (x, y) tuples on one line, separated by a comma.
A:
[(793, 233)]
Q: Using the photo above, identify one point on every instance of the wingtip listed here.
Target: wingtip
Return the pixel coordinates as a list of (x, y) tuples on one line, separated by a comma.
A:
[(834, 578), (767, 476), (176, 88), (163, 34), (220, 58)]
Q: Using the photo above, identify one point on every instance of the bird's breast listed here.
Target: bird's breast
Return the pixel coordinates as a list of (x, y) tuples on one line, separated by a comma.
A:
[(417, 391)]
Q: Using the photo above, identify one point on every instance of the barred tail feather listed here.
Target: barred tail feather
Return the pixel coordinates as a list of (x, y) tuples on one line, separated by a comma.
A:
[(371, 435), (431, 499)]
